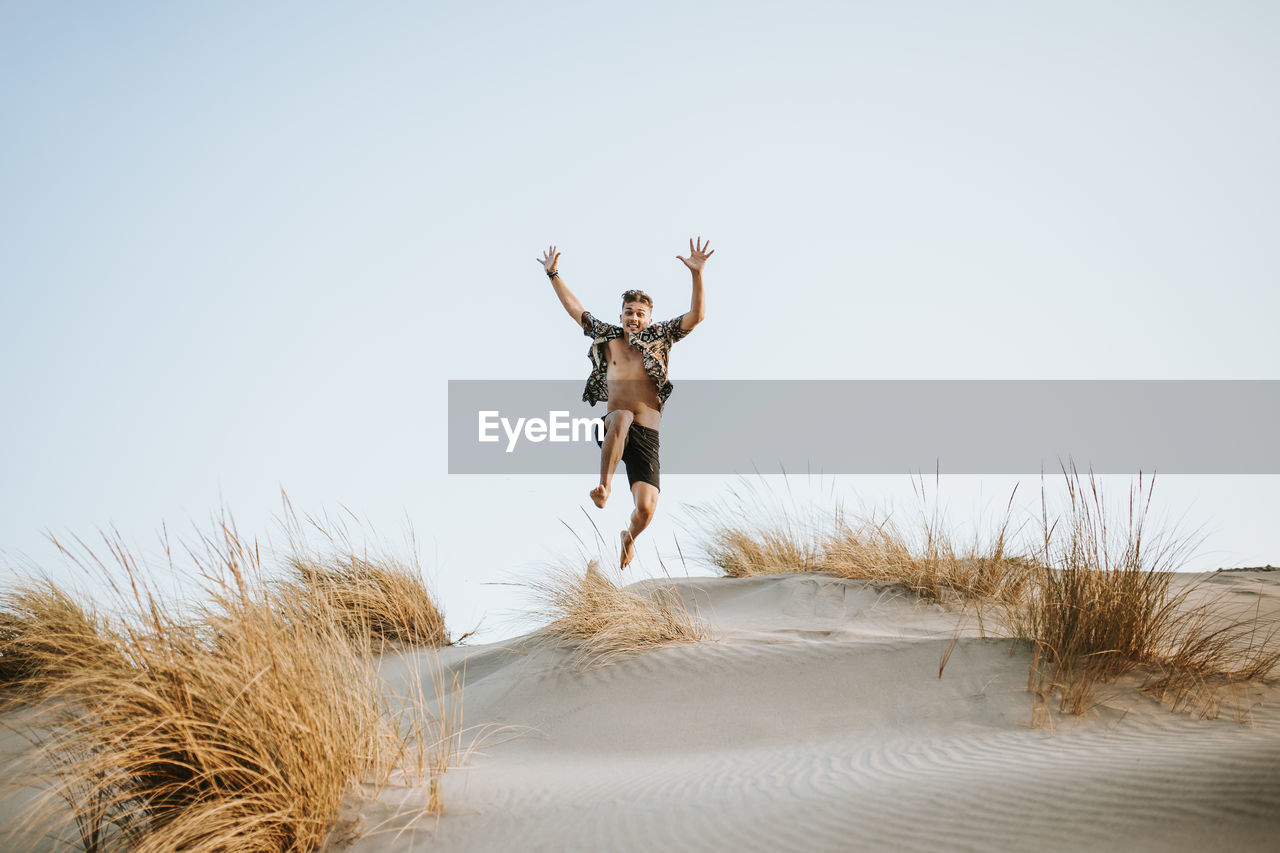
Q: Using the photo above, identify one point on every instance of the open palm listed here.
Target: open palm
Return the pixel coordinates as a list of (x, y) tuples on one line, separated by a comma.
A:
[(549, 260), (698, 255)]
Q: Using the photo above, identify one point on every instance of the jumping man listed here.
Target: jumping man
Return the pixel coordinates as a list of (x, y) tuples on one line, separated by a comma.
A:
[(629, 371)]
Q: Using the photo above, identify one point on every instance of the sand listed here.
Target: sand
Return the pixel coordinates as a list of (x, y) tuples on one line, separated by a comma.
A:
[(816, 720)]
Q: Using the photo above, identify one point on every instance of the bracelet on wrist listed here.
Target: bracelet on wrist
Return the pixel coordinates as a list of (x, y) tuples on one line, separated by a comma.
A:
[(553, 273)]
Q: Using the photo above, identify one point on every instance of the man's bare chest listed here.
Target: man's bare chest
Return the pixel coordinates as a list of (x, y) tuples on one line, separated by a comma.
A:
[(624, 355)]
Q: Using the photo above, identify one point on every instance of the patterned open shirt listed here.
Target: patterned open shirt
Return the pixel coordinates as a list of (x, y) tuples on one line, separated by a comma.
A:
[(654, 342)]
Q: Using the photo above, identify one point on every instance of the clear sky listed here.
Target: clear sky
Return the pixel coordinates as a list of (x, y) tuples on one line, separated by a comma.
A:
[(244, 246)]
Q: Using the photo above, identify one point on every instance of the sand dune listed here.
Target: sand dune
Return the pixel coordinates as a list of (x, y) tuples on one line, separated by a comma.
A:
[(817, 721)]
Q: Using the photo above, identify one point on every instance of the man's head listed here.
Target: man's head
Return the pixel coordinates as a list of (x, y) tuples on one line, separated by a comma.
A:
[(637, 310)]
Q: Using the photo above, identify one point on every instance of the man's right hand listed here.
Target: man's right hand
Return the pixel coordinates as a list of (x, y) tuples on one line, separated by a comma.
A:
[(570, 302), (549, 260)]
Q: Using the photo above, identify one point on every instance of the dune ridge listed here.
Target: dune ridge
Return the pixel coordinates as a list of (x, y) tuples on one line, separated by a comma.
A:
[(816, 720)]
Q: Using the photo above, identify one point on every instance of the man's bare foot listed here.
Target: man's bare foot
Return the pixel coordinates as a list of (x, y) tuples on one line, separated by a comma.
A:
[(628, 548), (599, 495)]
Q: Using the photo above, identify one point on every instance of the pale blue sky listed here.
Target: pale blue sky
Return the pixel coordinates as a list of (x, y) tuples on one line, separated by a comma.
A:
[(245, 246)]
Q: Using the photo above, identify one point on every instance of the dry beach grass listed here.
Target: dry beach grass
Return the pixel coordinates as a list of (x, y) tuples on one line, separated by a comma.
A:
[(375, 597), (1101, 604), (239, 723), (737, 541), (601, 620), (46, 637), (1093, 599)]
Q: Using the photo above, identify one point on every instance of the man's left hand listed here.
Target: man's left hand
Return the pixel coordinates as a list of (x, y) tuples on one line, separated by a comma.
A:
[(698, 255)]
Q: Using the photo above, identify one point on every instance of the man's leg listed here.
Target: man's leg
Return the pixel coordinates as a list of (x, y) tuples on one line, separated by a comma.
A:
[(646, 498), (616, 426)]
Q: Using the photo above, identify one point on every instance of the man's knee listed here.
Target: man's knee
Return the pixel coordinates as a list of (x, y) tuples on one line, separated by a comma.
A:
[(620, 420), (646, 502)]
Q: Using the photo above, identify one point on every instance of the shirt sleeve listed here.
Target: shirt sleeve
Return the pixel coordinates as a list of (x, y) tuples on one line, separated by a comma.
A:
[(592, 327), (671, 329)]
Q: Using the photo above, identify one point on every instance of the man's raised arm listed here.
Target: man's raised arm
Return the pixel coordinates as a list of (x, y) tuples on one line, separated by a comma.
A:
[(570, 302), (695, 262)]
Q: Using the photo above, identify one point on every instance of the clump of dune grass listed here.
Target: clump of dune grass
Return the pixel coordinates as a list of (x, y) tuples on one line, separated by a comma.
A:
[(749, 534), (932, 567), (240, 728), (372, 594), (742, 553), (1094, 599), (601, 620), (1208, 655), (742, 550), (46, 637), (376, 598), (1101, 603)]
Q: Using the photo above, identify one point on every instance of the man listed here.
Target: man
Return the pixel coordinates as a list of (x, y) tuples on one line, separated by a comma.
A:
[(629, 371)]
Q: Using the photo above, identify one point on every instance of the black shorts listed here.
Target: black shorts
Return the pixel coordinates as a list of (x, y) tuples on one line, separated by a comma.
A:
[(641, 455)]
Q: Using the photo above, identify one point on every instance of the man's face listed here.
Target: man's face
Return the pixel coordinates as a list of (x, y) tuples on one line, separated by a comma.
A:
[(635, 316)]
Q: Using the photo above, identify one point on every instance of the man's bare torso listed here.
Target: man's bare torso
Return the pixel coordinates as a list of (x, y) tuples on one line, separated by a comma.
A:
[(630, 387)]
